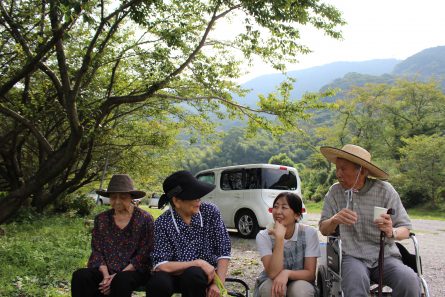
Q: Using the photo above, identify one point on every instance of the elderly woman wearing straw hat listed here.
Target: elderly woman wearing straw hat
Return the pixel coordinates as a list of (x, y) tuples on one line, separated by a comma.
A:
[(122, 240), (192, 246), (349, 207)]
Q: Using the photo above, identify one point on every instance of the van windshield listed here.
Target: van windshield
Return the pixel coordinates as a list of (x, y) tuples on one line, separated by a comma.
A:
[(278, 179)]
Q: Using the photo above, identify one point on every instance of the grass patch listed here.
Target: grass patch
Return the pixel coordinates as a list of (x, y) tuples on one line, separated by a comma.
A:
[(39, 257), (426, 214), (154, 211), (313, 207), (39, 254)]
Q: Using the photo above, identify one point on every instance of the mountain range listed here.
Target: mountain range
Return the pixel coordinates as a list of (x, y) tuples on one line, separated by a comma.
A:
[(425, 65)]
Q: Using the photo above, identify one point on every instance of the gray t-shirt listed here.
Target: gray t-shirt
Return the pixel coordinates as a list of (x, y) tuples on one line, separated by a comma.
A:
[(361, 240)]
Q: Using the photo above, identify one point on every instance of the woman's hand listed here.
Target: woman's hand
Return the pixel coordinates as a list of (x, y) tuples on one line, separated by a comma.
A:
[(105, 280), (105, 285), (279, 286), (213, 291), (279, 231)]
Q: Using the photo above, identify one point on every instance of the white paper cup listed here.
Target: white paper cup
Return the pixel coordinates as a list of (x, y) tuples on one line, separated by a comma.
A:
[(378, 211)]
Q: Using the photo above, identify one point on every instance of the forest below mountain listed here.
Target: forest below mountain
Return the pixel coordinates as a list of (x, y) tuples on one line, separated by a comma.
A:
[(398, 116)]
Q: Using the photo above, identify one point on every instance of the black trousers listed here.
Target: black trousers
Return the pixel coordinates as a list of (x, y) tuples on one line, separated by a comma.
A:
[(85, 283), (191, 283)]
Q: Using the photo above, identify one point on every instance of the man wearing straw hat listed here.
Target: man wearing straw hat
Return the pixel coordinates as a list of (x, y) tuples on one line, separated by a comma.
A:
[(348, 209)]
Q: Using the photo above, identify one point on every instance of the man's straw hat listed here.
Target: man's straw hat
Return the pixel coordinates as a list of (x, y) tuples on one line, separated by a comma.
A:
[(355, 154)]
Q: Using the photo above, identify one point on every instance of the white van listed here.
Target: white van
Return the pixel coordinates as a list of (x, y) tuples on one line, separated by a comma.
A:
[(98, 198), (245, 193)]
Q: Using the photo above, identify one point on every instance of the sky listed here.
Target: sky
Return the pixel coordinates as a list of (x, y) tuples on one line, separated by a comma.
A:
[(375, 29)]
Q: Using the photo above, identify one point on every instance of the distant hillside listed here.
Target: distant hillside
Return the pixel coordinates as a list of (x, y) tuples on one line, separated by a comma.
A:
[(312, 79), (427, 64), (355, 80)]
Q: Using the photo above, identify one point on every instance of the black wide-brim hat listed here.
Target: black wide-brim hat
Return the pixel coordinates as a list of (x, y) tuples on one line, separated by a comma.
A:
[(183, 185), (121, 183)]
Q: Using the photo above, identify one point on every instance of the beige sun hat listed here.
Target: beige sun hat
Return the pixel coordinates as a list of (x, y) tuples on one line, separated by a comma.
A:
[(355, 154)]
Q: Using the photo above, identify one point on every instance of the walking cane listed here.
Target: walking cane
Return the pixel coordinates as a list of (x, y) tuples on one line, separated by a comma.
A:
[(382, 254)]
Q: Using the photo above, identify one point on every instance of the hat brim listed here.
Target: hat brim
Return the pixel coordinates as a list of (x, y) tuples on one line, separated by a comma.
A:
[(195, 191), (134, 194), (332, 153)]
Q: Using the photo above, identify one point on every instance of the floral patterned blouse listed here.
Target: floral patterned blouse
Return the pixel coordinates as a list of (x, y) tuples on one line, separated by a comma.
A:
[(116, 247)]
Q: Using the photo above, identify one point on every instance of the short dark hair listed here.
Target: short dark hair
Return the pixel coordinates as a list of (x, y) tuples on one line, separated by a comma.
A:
[(294, 201)]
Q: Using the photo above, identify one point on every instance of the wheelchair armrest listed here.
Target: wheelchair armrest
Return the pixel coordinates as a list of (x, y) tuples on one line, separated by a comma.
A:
[(417, 253), (412, 260)]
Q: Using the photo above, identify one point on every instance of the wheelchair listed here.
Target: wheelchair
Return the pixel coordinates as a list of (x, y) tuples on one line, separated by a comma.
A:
[(236, 286), (329, 271)]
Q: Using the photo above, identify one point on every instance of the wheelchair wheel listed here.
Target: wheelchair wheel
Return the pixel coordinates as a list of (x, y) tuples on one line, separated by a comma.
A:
[(322, 282)]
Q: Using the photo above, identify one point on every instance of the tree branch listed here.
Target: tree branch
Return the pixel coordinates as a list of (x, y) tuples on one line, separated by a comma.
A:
[(40, 138), (117, 100), (33, 61)]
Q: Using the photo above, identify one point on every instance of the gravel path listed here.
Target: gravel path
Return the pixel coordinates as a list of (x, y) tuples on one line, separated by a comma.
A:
[(430, 234)]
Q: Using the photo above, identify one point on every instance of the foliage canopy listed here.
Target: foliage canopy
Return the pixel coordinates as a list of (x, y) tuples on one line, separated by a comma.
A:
[(84, 81)]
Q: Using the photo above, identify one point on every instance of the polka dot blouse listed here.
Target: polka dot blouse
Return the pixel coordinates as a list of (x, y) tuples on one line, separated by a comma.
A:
[(206, 237)]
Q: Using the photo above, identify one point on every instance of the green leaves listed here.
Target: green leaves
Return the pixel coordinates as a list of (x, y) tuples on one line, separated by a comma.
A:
[(422, 166), (121, 80)]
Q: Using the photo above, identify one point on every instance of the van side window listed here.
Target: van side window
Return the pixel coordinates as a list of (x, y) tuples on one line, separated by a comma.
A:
[(253, 178), (207, 177), (279, 179), (232, 180)]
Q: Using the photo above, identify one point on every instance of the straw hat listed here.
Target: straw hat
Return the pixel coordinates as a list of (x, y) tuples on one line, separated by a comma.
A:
[(355, 154)]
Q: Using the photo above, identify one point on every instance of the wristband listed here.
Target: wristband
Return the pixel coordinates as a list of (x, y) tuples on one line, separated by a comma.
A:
[(394, 233)]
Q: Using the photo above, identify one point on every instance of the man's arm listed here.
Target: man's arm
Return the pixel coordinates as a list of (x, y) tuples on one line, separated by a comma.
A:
[(327, 227), (400, 233), (385, 224)]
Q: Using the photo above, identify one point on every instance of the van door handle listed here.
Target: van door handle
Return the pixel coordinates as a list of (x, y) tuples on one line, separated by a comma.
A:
[(237, 196)]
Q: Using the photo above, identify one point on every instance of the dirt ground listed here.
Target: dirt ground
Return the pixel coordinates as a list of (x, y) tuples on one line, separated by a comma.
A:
[(430, 234)]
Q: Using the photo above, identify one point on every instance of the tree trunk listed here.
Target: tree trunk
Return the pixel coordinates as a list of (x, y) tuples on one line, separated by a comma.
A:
[(10, 204)]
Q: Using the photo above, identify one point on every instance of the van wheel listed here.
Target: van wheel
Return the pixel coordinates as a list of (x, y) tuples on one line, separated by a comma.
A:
[(247, 224)]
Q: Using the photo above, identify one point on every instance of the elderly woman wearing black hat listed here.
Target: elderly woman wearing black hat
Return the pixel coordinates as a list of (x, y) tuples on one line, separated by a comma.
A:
[(192, 246), (121, 243)]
